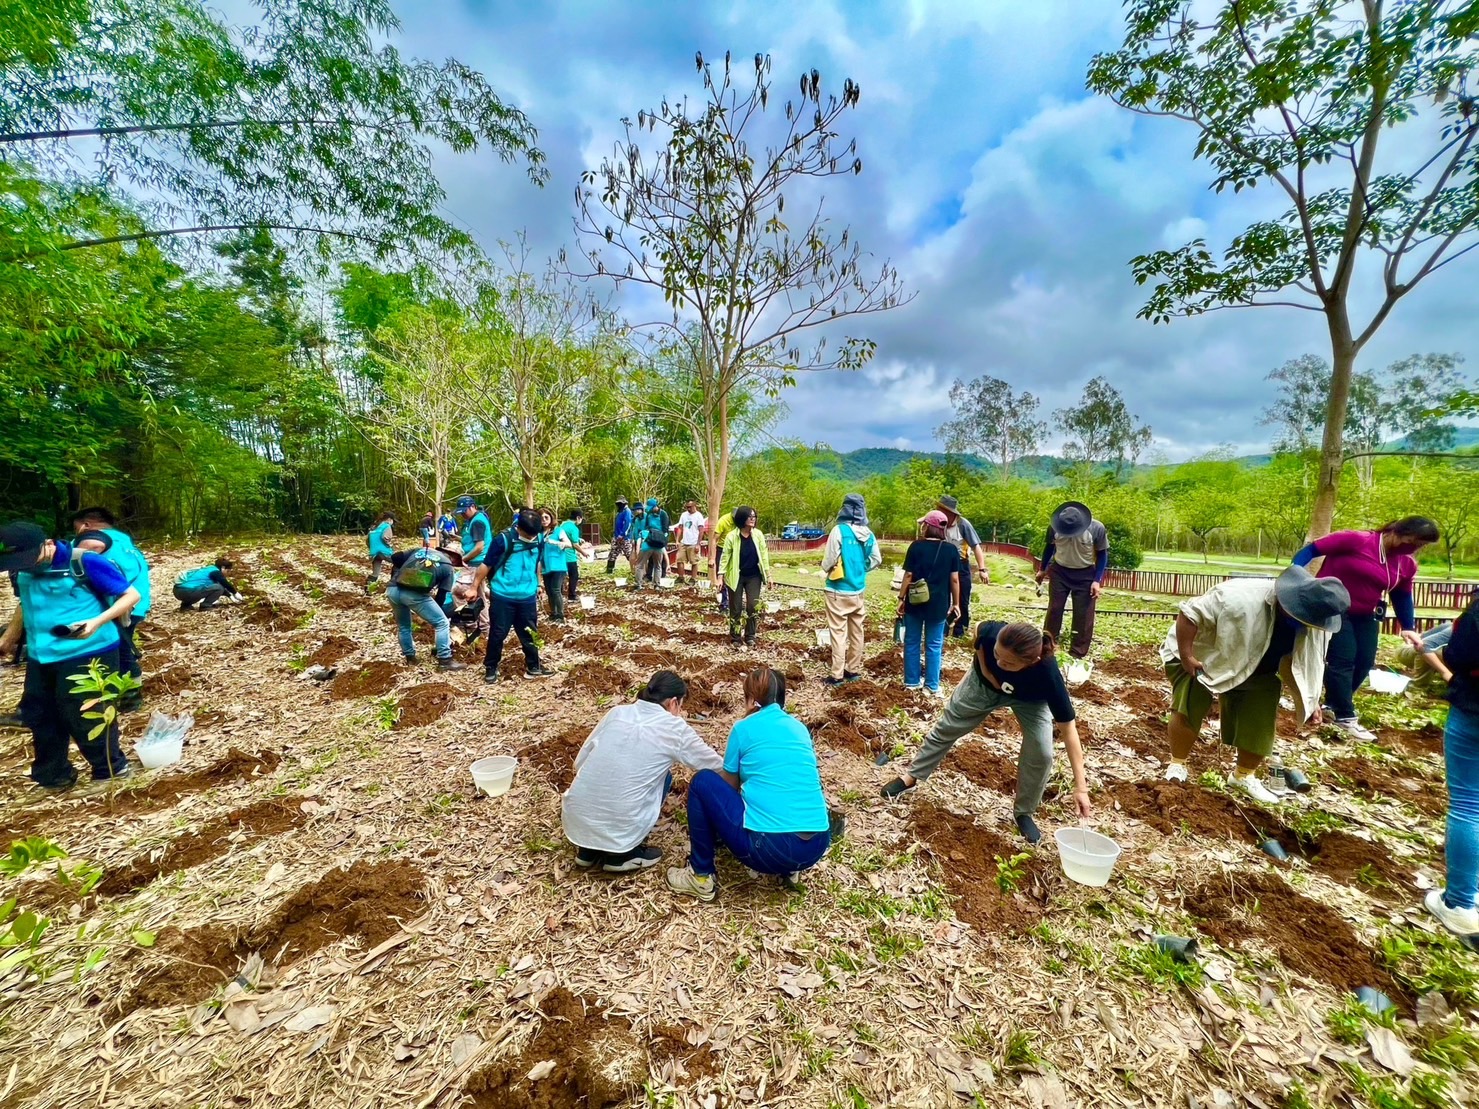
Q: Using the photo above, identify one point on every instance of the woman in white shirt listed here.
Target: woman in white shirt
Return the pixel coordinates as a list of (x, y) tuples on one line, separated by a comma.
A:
[(623, 772)]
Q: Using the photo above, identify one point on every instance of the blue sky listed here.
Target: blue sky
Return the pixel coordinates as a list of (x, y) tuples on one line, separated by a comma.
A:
[(1007, 196)]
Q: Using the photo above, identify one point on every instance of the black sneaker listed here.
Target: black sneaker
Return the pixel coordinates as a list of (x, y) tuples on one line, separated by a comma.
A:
[(449, 665), (540, 671), (409, 660), (12, 720), (57, 787), (830, 680), (1028, 827), (490, 677), (849, 676), (585, 858), (736, 641), (896, 789), (641, 859)]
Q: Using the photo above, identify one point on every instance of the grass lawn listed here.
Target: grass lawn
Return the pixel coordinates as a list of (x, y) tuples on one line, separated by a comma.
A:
[(1190, 562)]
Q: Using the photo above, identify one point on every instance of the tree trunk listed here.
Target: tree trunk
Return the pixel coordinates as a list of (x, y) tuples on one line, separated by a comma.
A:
[(1332, 444)]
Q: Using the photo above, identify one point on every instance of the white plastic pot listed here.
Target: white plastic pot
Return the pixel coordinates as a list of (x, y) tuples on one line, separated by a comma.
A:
[(159, 752), (1384, 681), (772, 606), (798, 604), (824, 637), (667, 583), (620, 583), (588, 603), (1087, 857), (495, 774)]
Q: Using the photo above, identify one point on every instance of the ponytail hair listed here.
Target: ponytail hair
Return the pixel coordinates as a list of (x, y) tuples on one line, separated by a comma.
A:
[(662, 687), (765, 687), (1027, 641)]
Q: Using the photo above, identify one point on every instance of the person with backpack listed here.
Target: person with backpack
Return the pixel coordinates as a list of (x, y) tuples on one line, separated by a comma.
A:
[(622, 773), (929, 597), (575, 545), (1075, 559), (510, 577), (71, 602), (206, 585), (420, 582), (621, 529), (379, 539), (652, 543), (960, 533), (745, 565), (97, 531), (850, 553), (552, 564)]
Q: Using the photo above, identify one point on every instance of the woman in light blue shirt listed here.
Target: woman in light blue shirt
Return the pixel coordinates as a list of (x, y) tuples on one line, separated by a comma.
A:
[(766, 804)]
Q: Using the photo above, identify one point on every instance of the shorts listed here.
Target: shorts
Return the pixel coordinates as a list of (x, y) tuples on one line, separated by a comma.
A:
[(688, 555), (1249, 713)]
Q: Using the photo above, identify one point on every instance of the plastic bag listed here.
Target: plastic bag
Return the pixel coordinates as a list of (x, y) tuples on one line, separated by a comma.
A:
[(165, 728)]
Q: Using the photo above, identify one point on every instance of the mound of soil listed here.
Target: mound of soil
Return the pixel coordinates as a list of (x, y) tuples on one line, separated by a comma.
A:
[(1134, 667), (424, 704), (600, 678), (968, 854), (598, 646), (1093, 693), (879, 699), (605, 620), (1310, 938), (554, 758), (168, 681), (257, 821), (704, 696), (371, 680), (887, 663), (648, 629), (1356, 862), (667, 1041), (599, 1062), (985, 768), (185, 968), (332, 651), (550, 632), (342, 601), (1373, 781), (1427, 740), (1168, 807), (649, 659), (843, 728)]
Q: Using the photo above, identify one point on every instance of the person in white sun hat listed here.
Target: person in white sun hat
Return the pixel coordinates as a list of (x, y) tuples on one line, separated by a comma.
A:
[(1241, 642)]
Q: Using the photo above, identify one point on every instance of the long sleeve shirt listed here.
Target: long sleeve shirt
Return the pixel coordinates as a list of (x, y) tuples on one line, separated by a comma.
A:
[(623, 525), (1357, 561)]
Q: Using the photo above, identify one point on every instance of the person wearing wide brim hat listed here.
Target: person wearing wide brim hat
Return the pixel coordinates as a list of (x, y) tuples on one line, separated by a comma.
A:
[(960, 533), (1074, 560), (1243, 642)]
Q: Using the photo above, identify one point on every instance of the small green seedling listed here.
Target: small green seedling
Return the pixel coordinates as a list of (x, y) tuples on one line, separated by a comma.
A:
[(1010, 872), (107, 689), (28, 852), (82, 879)]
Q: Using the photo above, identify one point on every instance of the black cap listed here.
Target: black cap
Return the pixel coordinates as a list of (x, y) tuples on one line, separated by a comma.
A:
[(20, 544)]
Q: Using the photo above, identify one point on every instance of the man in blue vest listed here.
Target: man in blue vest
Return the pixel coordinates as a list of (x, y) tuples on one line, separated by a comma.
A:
[(510, 573), (205, 586), (69, 605), (477, 534), (97, 531)]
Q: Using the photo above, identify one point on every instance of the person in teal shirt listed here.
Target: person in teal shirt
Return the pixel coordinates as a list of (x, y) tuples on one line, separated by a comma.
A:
[(510, 577), (478, 534), (570, 530), (766, 805), (552, 564), (207, 585), (97, 531), (380, 538)]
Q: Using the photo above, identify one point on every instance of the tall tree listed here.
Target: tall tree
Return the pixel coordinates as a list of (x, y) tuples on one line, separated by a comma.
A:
[(1306, 96), (305, 120), (697, 216), (1102, 428), (990, 420)]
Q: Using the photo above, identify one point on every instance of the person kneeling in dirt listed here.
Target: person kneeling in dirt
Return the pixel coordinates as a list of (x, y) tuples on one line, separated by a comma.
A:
[(1014, 667), (511, 571), (1241, 642), (623, 772), (765, 804), (70, 605), (420, 581), (206, 585)]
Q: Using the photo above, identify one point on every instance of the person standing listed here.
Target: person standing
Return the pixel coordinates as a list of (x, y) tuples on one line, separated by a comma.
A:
[(621, 529), (1453, 906), (97, 531), (851, 551), (716, 547), (1236, 642), (574, 544), (745, 565), (1377, 568), (1014, 667), (1074, 561), (552, 561), (509, 577), (428, 526), (207, 585), (379, 539), (960, 534), (651, 539), (420, 581), (447, 533), (70, 606), (691, 526), (929, 596)]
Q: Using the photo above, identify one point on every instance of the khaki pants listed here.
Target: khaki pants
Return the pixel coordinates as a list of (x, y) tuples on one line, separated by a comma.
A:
[(845, 612), (688, 557)]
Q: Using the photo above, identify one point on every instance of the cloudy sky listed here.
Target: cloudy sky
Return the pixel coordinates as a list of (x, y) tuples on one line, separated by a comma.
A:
[(1008, 197)]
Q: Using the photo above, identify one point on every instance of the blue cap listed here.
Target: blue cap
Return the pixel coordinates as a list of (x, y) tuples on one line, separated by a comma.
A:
[(651, 502), (464, 503)]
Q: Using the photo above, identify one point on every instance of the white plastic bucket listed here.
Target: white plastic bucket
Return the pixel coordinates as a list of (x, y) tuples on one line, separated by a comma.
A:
[(703, 584), (1384, 681), (1087, 857), (798, 604), (495, 774), (160, 752), (588, 603), (824, 637), (667, 583), (620, 583), (772, 606)]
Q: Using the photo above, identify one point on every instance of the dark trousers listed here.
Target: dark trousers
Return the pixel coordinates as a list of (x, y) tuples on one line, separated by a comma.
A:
[(207, 596), (54, 714), (1064, 583), (723, 595), (523, 617), (716, 813), (963, 621), (554, 589), (376, 562), (128, 654), (572, 580), (743, 601), (1348, 660)]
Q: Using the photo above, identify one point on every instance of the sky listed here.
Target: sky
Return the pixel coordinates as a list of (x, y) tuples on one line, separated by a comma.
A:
[(1008, 197)]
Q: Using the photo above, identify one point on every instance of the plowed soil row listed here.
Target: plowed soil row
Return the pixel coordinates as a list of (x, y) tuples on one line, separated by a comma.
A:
[(969, 856)]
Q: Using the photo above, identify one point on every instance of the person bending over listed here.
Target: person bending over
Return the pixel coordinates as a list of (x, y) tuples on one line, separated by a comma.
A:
[(1014, 668), (421, 581), (379, 539), (206, 585), (765, 804), (623, 772)]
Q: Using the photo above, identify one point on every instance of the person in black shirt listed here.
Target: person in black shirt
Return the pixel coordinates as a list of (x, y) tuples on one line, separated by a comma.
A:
[(1013, 668), (931, 561)]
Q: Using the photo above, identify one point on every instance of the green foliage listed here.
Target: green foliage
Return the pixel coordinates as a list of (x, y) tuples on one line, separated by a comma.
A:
[(1102, 429), (20, 937), (106, 688), (1160, 968), (1348, 1023), (1010, 872), (28, 852)]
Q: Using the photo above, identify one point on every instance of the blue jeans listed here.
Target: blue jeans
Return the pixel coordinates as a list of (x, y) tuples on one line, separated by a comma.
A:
[(403, 602), (1461, 759), (932, 634), (716, 811), (523, 617)]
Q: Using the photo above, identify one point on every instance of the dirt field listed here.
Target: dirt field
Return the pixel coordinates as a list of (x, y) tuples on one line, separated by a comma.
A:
[(314, 908)]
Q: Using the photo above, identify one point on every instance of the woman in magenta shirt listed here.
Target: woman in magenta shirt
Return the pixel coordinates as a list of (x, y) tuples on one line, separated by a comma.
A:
[(1377, 568)]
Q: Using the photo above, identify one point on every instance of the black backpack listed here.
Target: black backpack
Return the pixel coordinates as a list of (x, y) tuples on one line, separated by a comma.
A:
[(656, 525)]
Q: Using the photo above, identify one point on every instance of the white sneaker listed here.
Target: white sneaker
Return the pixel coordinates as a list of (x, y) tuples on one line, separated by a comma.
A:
[(1254, 789), (1356, 730), (1176, 772), (1461, 922)]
